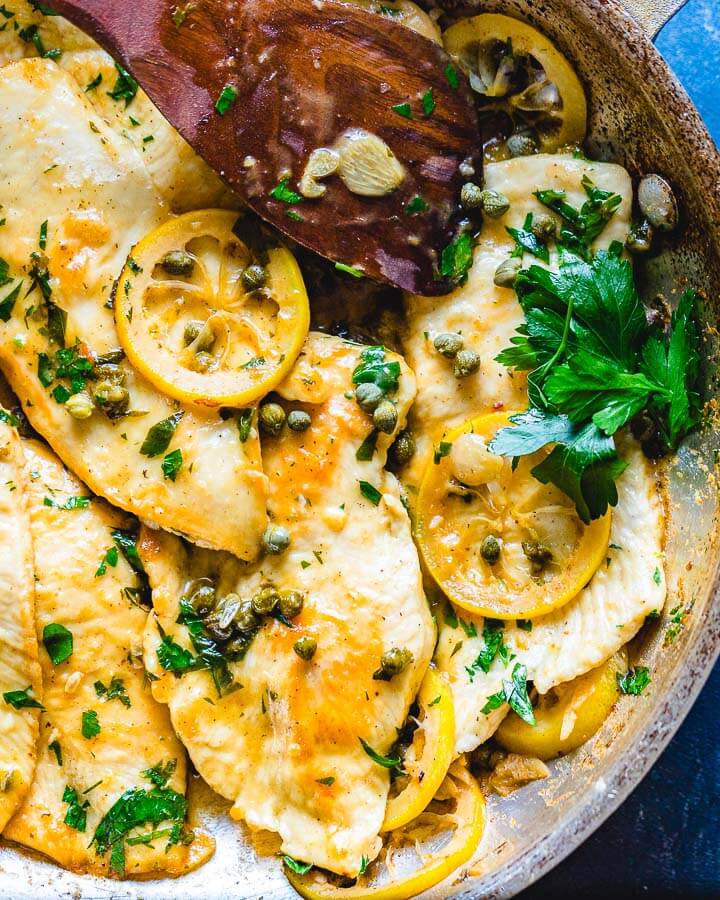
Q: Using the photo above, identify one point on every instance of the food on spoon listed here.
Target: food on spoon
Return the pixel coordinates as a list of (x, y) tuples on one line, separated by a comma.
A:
[(523, 80), (110, 770), (20, 679), (497, 541), (208, 319), (78, 199), (278, 739)]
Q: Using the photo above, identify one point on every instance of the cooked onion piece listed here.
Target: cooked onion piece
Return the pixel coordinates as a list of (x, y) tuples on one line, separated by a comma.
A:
[(204, 318), (568, 714), (497, 541), (418, 856), (522, 78), (429, 756)]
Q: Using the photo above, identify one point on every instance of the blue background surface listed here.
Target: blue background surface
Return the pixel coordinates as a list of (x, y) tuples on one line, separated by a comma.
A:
[(664, 841)]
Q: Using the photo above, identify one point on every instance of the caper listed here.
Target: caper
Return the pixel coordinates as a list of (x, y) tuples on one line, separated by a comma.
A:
[(265, 600), (291, 604), (657, 203), (471, 196), (245, 618), (275, 540), (112, 397), (368, 396), (80, 406), (272, 418), (448, 344), (385, 417), (393, 662), (216, 630), (640, 238), (305, 647), (227, 609), (199, 334), (539, 555), (201, 596), (202, 361), (494, 204), (253, 278), (467, 362), (490, 549), (298, 420), (178, 262), (543, 226), (507, 272), (521, 145), (110, 372), (403, 450)]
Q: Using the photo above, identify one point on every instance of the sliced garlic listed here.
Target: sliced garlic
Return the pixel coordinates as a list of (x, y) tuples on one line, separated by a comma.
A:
[(321, 163), (368, 167)]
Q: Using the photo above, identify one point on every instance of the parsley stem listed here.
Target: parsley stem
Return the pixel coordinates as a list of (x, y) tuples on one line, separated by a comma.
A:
[(562, 346)]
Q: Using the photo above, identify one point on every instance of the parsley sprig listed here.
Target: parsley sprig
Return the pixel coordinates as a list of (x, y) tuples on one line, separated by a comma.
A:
[(594, 364)]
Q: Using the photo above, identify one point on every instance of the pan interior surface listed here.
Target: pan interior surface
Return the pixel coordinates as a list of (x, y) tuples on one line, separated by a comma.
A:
[(641, 118)]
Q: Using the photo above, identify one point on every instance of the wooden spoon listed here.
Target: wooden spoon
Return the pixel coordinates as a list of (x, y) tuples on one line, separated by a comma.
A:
[(295, 75)]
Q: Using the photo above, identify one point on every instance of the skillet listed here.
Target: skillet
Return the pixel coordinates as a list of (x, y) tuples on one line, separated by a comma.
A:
[(642, 118)]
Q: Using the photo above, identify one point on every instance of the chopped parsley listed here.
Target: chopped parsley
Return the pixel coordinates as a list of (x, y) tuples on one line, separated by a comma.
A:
[(95, 83), (69, 504), (328, 781), (300, 867), (161, 772), (416, 205), (366, 450), (181, 12), (428, 103), (171, 464), (244, 423), (514, 693), (57, 750), (582, 226), (116, 690), (452, 76), (657, 575), (526, 241), (370, 492), (456, 259), (387, 762), (58, 642), (109, 559), (125, 87), (159, 436), (133, 809), (404, 110), (42, 241), (349, 270), (7, 304), (226, 100), (373, 368), (441, 451), (90, 724), (22, 699), (493, 638), (635, 681), (283, 193), (76, 814)]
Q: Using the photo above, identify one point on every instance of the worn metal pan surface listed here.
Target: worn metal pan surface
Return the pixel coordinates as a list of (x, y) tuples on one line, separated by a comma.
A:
[(642, 118)]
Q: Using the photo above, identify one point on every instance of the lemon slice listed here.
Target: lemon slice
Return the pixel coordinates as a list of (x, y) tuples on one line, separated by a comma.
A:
[(497, 541), (404, 12), (522, 78), (568, 715), (204, 318), (418, 856), (428, 758)]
